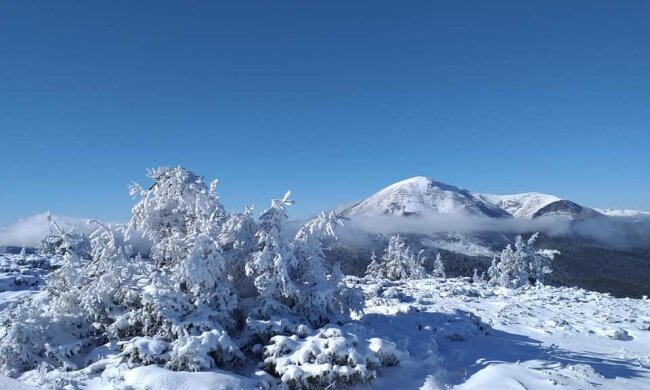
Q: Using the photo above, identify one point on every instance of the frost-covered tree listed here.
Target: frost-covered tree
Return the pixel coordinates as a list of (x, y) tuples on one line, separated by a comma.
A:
[(22, 343), (539, 261), (476, 278), (398, 262), (59, 242), (438, 268), (522, 265), (106, 293), (323, 292), (374, 268), (237, 239), (33, 332), (272, 264), (190, 293), (177, 204), (493, 271)]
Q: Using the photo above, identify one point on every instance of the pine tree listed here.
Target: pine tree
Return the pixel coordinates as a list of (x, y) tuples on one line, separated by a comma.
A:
[(374, 268), (272, 264), (322, 290), (177, 204), (182, 217), (522, 265), (493, 272), (237, 239), (398, 262), (439, 268)]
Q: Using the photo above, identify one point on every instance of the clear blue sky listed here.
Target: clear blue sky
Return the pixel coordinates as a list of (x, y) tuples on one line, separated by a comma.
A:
[(333, 100)]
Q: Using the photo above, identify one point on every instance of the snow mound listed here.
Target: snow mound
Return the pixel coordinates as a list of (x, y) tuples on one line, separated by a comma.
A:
[(8, 383), (158, 378)]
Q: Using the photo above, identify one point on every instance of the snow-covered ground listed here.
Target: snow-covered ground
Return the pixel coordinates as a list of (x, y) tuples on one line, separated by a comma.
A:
[(537, 337), (446, 334)]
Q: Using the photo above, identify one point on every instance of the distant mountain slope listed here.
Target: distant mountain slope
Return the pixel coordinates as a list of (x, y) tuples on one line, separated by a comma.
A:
[(520, 205), (422, 195), (623, 213), (419, 196), (568, 209)]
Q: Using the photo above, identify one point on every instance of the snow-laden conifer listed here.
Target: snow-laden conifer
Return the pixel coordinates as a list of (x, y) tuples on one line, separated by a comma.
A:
[(521, 265), (238, 242), (438, 268), (398, 262), (323, 292), (272, 264)]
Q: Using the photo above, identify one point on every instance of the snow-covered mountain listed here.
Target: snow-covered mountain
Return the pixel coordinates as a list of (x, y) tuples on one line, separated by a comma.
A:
[(520, 205), (624, 213), (424, 196), (420, 196)]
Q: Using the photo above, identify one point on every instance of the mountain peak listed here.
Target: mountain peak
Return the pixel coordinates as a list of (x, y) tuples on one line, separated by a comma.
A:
[(422, 195)]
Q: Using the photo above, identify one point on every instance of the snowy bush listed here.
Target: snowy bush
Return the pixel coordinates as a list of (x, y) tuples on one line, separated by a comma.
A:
[(330, 356), (397, 263), (208, 350), (22, 346), (145, 350), (58, 242)]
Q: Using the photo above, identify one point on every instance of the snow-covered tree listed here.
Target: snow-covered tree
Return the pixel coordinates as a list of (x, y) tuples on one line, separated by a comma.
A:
[(323, 292), (177, 204), (33, 332), (101, 291), (522, 265), (476, 278), (59, 242), (272, 264), (493, 271), (539, 261), (182, 217), (22, 345), (439, 268), (398, 262), (374, 268), (237, 239)]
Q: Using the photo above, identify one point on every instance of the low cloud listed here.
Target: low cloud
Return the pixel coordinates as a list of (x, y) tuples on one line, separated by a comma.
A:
[(30, 230), (618, 232)]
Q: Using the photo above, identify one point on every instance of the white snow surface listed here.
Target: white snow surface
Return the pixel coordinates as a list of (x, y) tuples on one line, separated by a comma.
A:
[(157, 378), (520, 205), (12, 384), (447, 334)]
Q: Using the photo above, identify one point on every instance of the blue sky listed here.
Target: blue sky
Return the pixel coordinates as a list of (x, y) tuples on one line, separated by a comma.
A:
[(333, 100)]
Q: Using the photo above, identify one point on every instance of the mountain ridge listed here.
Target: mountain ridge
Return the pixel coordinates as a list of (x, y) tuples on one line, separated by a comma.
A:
[(420, 195)]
